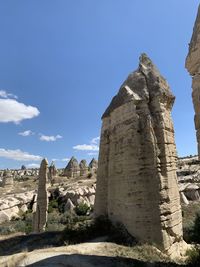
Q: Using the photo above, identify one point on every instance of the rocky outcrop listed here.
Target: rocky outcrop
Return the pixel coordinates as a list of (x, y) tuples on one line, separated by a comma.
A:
[(72, 170), (40, 216), (7, 180), (11, 205), (93, 165), (136, 179), (83, 168), (193, 66), (52, 171), (77, 194)]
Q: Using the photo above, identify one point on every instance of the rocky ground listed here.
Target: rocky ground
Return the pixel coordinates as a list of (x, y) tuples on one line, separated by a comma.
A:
[(64, 196), (96, 253)]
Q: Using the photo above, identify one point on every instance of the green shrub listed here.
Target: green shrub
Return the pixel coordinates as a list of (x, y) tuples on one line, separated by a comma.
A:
[(84, 230), (82, 209), (196, 229), (89, 175), (193, 257), (53, 204)]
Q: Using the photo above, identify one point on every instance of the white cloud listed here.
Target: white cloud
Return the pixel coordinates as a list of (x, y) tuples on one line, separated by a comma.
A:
[(14, 111), (92, 146), (50, 138), (86, 147), (26, 133), (4, 94), (33, 165), (18, 155), (65, 159), (95, 140)]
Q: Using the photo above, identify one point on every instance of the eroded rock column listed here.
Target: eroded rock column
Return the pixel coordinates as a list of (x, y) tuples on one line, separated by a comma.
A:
[(193, 66), (136, 177), (72, 170), (40, 216)]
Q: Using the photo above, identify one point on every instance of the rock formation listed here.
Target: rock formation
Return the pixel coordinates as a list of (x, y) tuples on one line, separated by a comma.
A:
[(93, 165), (52, 172), (193, 66), (72, 169), (83, 168), (136, 177), (40, 216), (7, 180)]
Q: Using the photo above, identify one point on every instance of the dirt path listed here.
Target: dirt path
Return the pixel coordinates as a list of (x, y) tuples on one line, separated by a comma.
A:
[(92, 254)]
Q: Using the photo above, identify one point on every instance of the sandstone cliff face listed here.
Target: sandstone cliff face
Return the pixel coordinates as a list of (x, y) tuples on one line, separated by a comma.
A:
[(40, 217), (136, 178), (193, 66)]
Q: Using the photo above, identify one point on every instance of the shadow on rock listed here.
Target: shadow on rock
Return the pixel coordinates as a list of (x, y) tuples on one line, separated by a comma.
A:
[(29, 242), (78, 260)]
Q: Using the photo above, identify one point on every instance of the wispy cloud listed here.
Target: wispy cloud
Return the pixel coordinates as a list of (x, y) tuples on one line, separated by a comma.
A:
[(50, 138), (65, 159), (4, 94), (18, 155), (33, 165), (92, 146), (13, 111), (26, 133)]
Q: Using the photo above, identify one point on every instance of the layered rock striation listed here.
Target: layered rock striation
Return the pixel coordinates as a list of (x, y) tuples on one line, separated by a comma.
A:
[(193, 66), (136, 178)]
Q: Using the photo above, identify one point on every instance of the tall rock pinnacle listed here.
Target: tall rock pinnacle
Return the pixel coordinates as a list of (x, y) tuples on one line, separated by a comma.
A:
[(193, 66), (136, 178), (40, 217)]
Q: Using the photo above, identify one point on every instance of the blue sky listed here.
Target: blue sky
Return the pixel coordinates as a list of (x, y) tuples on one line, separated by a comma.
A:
[(62, 61)]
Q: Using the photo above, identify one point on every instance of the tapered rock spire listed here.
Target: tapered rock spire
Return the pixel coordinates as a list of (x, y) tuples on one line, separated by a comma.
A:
[(193, 66), (40, 216), (136, 177), (72, 170)]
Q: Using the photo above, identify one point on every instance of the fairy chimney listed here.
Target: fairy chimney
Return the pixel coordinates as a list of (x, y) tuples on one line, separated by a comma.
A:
[(136, 178)]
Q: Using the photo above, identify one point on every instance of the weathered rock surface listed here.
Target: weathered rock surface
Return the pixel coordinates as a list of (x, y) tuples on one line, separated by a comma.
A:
[(83, 168), (76, 194), (93, 165), (40, 216), (72, 169), (7, 179), (52, 172), (11, 205), (136, 179), (193, 66)]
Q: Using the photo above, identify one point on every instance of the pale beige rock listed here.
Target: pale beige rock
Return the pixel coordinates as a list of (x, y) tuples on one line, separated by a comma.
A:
[(184, 198), (193, 66), (93, 165), (40, 216), (69, 206), (72, 170), (136, 179), (7, 180), (83, 168), (52, 171)]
